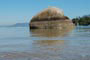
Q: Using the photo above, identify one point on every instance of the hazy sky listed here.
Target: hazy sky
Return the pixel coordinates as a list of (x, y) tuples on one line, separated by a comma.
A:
[(18, 11)]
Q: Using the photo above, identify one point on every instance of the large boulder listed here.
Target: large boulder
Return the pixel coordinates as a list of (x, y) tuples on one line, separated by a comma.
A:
[(50, 18)]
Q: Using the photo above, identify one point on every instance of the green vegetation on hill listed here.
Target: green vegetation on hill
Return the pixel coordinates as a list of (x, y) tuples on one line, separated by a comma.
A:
[(84, 20)]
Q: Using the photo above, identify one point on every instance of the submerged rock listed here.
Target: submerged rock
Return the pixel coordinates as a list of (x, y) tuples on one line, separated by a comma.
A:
[(50, 33), (50, 18)]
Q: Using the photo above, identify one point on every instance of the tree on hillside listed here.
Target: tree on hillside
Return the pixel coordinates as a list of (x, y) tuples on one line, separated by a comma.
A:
[(85, 20)]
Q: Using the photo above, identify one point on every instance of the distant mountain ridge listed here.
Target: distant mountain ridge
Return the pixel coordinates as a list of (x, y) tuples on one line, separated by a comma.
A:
[(16, 25), (20, 25)]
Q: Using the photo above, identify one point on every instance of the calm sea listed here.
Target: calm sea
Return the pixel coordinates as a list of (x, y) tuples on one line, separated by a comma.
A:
[(20, 43)]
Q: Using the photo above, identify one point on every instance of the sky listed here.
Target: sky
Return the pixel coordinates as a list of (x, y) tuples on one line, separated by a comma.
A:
[(20, 11)]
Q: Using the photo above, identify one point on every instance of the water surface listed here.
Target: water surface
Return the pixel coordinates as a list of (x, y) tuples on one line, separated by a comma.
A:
[(20, 43)]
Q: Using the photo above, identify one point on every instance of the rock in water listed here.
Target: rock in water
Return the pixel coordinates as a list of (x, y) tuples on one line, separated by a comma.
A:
[(51, 18)]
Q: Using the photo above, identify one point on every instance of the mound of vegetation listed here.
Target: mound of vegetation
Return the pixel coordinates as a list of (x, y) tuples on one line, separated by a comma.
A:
[(84, 20)]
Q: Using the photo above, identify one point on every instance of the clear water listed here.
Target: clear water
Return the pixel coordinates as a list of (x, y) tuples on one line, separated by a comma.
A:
[(20, 43)]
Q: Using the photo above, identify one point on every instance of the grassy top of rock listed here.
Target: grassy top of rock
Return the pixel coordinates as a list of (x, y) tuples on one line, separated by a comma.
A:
[(51, 13)]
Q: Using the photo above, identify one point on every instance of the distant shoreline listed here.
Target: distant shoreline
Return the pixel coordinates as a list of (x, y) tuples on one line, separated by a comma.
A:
[(16, 25), (24, 25)]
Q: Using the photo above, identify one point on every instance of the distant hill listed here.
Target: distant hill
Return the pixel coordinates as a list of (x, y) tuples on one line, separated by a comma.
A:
[(17, 25), (82, 21), (20, 25)]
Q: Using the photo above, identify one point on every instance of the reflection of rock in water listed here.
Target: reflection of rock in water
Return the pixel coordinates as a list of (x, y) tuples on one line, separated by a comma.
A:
[(50, 32), (49, 47), (49, 42)]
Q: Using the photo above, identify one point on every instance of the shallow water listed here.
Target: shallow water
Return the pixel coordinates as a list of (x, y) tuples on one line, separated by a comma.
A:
[(20, 43)]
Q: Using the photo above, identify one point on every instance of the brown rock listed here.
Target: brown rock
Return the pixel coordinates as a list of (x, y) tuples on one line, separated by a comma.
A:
[(51, 18)]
